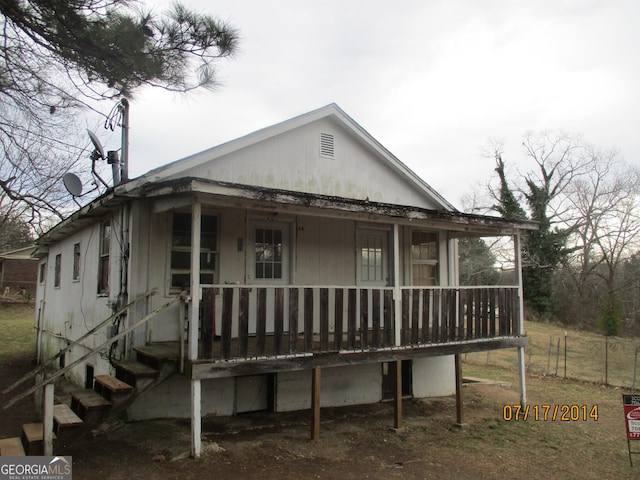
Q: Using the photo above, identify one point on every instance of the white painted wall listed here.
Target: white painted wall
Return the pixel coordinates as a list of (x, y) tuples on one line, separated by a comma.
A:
[(340, 386), (292, 161), (172, 399), (434, 376), (70, 310)]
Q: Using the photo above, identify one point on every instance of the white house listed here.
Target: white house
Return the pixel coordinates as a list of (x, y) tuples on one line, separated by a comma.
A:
[(300, 248)]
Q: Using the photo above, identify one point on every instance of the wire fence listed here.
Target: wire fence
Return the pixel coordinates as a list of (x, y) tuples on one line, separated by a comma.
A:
[(571, 354)]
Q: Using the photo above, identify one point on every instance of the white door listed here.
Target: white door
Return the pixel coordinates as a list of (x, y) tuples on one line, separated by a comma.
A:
[(373, 259), (267, 264), (268, 253)]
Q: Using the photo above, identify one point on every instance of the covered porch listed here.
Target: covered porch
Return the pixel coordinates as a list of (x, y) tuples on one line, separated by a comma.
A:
[(252, 328)]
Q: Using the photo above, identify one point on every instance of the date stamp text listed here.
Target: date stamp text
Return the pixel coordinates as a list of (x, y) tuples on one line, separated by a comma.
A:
[(550, 413)]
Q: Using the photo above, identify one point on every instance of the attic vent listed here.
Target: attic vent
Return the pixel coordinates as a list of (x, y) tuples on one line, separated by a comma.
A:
[(326, 145)]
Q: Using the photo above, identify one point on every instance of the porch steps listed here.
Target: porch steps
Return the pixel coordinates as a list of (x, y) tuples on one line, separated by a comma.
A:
[(133, 371), (11, 447), (33, 438), (89, 405), (64, 419), (111, 388), (155, 355)]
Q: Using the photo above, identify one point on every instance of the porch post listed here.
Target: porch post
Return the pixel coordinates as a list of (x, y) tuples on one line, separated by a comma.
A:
[(315, 404), (521, 363), (194, 314), (459, 398), (397, 396), (397, 295), (47, 419)]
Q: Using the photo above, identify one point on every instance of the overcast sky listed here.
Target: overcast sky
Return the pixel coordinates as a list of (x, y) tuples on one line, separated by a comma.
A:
[(432, 80)]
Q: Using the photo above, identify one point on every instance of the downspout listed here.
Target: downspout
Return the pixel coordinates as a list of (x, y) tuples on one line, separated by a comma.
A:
[(123, 292)]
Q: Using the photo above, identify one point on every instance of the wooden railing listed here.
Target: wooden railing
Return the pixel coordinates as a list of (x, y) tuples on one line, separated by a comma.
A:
[(247, 322)]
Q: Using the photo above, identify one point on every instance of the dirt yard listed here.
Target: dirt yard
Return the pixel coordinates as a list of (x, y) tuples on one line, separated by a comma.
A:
[(355, 442), (358, 442)]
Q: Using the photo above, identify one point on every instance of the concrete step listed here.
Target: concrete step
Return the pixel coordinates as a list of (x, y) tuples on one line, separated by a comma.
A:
[(64, 419), (89, 405), (111, 388), (11, 447)]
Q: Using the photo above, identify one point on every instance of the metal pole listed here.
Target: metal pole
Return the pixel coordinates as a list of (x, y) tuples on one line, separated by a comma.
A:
[(125, 140), (565, 354)]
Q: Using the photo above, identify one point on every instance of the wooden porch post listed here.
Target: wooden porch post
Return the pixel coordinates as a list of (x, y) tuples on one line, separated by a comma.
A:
[(521, 363), (194, 314), (396, 284), (47, 420), (397, 397), (315, 404), (459, 399)]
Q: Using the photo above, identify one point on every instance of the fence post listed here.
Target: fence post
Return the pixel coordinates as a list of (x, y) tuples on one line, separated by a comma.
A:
[(565, 354)]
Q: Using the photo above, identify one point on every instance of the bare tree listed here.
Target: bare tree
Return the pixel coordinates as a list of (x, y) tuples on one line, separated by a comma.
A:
[(60, 57)]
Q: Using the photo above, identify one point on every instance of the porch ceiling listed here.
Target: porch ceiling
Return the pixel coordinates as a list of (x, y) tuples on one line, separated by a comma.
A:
[(261, 198)]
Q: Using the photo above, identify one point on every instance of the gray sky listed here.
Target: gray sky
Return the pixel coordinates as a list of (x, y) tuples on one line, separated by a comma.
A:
[(431, 80)]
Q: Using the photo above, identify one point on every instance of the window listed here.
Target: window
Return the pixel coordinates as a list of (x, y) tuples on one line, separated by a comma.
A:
[(181, 250), (372, 257), (56, 275), (43, 272), (424, 258), (103, 265), (269, 256), (76, 261)]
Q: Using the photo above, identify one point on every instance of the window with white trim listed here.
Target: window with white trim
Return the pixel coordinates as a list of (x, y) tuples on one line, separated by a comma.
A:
[(57, 271), (76, 261), (372, 257), (103, 261), (181, 250), (424, 258)]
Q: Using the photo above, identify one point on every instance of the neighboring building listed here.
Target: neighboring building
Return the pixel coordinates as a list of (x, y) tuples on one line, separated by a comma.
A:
[(309, 246), (18, 273)]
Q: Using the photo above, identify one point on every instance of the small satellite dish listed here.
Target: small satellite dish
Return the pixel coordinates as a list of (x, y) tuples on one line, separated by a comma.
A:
[(73, 184), (96, 144)]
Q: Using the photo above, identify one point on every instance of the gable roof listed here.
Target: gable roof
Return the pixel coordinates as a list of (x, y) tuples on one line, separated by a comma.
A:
[(331, 111)]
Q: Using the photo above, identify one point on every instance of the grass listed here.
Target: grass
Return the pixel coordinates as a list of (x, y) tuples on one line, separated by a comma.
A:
[(585, 355), (18, 333)]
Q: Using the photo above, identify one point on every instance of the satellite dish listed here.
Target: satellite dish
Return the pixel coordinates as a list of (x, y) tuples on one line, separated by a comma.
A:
[(96, 144), (73, 184)]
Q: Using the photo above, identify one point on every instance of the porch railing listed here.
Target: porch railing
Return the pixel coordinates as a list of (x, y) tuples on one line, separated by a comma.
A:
[(245, 322)]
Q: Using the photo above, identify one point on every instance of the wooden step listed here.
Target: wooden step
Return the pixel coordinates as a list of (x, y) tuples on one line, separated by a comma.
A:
[(89, 405), (33, 438), (64, 418), (11, 447), (110, 387), (129, 371), (155, 354)]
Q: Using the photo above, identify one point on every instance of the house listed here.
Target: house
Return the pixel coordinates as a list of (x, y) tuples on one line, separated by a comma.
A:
[(300, 252), (18, 273)]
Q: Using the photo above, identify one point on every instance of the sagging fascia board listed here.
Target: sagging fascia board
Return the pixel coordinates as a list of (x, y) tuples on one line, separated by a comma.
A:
[(85, 215), (273, 199)]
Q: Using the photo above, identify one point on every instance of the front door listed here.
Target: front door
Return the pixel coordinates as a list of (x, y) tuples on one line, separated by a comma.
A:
[(268, 261), (267, 264)]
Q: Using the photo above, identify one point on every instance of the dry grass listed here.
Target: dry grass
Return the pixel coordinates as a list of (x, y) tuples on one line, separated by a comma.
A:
[(17, 327), (585, 358)]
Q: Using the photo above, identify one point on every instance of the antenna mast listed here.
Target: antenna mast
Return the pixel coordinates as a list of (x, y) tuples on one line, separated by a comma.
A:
[(124, 110)]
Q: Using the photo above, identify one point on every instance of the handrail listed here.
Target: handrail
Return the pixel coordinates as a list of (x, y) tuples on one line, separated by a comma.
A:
[(44, 364), (113, 339)]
